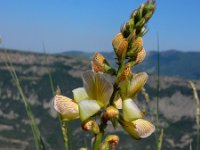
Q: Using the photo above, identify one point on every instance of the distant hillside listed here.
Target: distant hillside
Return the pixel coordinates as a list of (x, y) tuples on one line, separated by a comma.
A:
[(172, 62), (176, 105)]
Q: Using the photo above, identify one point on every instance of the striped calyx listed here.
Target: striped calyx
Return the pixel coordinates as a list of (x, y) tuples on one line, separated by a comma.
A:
[(126, 73), (140, 56), (135, 46), (120, 45), (100, 64)]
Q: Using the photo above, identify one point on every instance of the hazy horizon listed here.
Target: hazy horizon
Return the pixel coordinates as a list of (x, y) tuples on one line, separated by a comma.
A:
[(90, 25)]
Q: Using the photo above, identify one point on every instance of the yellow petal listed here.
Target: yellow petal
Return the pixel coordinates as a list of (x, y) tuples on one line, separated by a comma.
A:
[(66, 108), (97, 87), (130, 110), (88, 108)]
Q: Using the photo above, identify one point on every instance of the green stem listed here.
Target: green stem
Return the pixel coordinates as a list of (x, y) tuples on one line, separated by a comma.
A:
[(65, 134), (158, 90), (98, 140)]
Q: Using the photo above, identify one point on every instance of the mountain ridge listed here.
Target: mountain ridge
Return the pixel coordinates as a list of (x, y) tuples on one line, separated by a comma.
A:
[(172, 62)]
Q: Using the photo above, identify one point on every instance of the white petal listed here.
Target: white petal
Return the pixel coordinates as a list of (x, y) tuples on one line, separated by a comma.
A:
[(88, 108), (79, 94), (130, 110), (143, 127), (66, 107), (97, 87)]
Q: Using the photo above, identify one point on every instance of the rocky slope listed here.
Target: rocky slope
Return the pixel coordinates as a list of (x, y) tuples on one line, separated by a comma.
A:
[(176, 105)]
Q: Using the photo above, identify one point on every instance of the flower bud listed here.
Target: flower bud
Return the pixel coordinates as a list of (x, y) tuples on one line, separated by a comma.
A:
[(140, 56), (135, 47), (111, 112), (90, 125), (110, 141), (126, 72), (120, 46), (113, 140), (99, 64)]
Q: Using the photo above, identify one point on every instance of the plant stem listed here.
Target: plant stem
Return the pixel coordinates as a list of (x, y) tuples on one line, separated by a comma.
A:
[(196, 99), (158, 91), (98, 140)]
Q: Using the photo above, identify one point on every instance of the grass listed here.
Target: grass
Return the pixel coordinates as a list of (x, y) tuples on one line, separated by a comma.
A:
[(160, 131), (197, 109), (39, 144)]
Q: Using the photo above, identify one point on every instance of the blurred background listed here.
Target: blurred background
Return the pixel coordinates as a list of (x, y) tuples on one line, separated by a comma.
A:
[(60, 38)]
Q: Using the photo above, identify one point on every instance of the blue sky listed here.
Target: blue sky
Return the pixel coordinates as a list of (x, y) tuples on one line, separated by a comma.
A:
[(90, 25)]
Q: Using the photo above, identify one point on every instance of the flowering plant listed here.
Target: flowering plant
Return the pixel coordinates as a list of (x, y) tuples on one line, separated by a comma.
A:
[(108, 94)]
